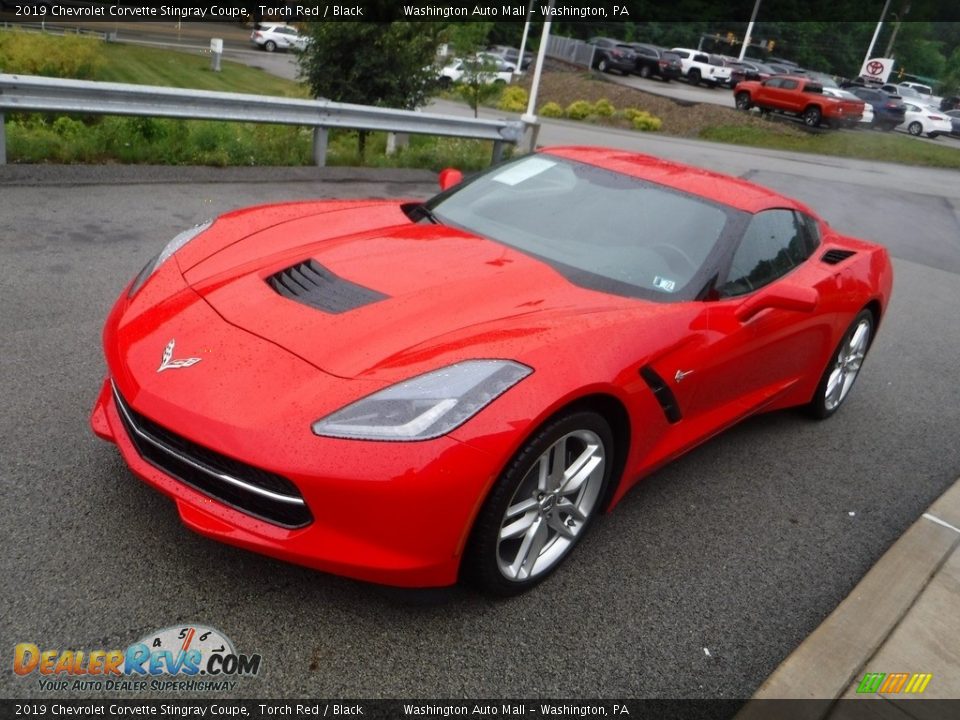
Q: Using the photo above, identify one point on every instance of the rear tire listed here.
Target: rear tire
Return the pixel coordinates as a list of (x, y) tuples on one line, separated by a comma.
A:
[(915, 129), (812, 117), (843, 368), (603, 66), (693, 77), (541, 506), (269, 46)]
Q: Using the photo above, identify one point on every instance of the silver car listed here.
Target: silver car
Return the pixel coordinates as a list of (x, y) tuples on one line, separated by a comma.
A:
[(277, 37)]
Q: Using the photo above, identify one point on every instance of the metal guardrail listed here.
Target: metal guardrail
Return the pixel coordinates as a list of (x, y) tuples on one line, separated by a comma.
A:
[(26, 93)]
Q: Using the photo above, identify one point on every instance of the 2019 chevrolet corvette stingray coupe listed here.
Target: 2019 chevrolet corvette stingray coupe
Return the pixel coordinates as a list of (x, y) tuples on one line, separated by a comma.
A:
[(413, 393)]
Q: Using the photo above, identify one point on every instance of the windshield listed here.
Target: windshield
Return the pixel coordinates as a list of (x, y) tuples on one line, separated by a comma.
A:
[(601, 229)]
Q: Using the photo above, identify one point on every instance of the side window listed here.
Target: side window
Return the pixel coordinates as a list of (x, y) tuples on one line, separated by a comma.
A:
[(701, 59), (788, 84), (773, 83), (775, 242), (811, 233)]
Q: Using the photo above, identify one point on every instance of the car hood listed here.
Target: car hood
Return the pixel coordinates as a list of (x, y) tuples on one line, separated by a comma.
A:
[(390, 301)]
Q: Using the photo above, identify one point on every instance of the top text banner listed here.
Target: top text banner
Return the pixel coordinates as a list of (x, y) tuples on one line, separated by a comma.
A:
[(592, 11)]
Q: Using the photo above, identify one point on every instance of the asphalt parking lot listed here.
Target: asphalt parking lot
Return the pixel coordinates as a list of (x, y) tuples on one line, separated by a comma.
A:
[(705, 577)]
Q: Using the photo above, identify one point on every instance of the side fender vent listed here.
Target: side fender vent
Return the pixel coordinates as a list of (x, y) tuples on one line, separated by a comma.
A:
[(833, 257), (312, 284), (663, 394)]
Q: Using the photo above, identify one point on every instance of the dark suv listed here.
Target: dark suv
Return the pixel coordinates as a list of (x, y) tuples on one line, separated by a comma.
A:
[(613, 55), (888, 110), (653, 61)]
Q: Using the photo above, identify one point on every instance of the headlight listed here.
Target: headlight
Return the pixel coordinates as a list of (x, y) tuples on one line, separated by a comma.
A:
[(426, 406), (178, 242)]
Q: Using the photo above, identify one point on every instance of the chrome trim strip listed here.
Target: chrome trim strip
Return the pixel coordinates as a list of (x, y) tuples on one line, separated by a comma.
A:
[(199, 466)]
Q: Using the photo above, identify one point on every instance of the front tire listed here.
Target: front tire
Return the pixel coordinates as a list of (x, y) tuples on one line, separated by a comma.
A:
[(743, 101), (844, 366), (645, 71), (541, 506)]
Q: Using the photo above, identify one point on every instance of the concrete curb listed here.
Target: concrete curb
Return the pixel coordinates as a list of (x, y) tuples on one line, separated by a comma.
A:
[(829, 660)]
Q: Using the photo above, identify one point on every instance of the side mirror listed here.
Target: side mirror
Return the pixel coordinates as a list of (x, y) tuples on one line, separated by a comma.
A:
[(782, 296), (449, 177)]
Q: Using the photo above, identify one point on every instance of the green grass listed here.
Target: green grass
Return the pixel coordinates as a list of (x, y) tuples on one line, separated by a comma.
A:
[(153, 66), (159, 141), (33, 137), (862, 144)]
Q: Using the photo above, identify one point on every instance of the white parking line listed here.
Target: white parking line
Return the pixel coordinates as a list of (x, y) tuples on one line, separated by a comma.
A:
[(938, 521)]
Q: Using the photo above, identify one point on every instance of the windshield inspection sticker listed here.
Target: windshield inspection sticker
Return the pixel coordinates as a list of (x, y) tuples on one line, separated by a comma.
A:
[(662, 283), (523, 171)]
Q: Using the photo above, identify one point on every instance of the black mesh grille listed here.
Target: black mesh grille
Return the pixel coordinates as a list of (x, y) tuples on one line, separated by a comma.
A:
[(832, 257), (204, 469), (312, 284)]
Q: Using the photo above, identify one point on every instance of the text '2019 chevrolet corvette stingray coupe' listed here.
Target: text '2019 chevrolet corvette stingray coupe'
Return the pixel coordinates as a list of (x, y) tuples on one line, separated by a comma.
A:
[(414, 393)]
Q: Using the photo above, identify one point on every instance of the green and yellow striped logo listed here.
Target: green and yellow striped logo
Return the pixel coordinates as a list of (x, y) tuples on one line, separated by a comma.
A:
[(892, 683)]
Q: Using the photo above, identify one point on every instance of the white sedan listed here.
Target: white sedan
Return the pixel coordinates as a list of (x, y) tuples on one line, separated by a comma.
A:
[(278, 37), (920, 120), (486, 70), (866, 117)]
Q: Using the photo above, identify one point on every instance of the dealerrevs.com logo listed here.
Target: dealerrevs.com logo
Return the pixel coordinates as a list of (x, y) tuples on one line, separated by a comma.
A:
[(177, 658)]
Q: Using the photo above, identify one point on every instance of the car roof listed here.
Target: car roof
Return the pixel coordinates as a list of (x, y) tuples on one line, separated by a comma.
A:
[(723, 189)]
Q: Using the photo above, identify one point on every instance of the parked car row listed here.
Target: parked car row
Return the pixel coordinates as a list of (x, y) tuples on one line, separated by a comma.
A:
[(815, 99), (640, 59)]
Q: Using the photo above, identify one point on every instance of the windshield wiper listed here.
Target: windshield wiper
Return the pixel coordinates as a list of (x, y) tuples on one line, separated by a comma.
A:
[(417, 212)]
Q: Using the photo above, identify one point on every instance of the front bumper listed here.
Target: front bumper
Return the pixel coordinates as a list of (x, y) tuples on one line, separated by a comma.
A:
[(390, 513)]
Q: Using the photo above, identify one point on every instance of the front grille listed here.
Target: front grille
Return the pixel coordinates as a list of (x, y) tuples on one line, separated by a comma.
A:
[(257, 492), (312, 284)]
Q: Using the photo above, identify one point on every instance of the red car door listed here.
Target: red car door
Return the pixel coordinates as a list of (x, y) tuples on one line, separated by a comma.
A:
[(765, 334)]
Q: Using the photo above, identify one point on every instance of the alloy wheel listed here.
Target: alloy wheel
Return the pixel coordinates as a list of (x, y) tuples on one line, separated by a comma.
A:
[(847, 365), (551, 505)]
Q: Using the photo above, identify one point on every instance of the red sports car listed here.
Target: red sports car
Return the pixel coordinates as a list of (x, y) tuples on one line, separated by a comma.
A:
[(413, 393)]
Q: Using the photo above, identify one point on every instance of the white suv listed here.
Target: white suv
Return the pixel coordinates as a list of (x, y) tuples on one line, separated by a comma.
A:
[(698, 67), (277, 37)]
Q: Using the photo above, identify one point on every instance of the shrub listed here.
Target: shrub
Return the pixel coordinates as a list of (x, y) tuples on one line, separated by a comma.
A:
[(514, 99), (630, 113), (551, 110), (50, 55), (645, 121), (579, 110), (603, 108)]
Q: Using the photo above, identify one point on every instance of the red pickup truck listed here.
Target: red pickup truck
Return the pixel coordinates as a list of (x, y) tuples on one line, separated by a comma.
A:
[(797, 96)]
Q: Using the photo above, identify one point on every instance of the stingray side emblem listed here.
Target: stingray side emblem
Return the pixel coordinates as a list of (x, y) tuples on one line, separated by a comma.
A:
[(168, 363)]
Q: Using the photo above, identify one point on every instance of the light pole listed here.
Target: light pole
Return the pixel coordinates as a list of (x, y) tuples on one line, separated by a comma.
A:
[(749, 36), (876, 32), (529, 116), (523, 41), (896, 29)]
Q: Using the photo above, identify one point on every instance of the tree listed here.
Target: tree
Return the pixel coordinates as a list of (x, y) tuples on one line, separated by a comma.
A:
[(467, 40), (382, 64)]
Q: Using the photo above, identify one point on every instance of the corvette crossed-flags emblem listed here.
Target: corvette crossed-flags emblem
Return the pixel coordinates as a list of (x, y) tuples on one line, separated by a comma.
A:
[(168, 363)]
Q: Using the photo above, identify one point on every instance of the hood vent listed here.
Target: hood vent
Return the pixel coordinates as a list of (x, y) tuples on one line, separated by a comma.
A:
[(832, 257), (310, 283)]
